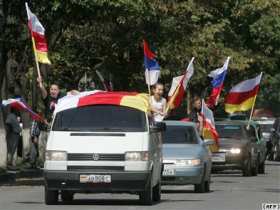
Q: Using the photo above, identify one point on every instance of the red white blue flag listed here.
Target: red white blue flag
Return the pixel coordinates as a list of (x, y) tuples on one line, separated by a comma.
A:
[(20, 105), (152, 68), (217, 82)]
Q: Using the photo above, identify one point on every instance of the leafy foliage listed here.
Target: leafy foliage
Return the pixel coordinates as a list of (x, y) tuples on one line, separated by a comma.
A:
[(85, 35)]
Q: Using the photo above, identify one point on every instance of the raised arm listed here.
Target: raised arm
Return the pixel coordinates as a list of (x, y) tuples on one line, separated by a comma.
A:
[(42, 88)]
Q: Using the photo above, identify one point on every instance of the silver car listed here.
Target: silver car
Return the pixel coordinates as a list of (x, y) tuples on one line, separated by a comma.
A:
[(186, 157)]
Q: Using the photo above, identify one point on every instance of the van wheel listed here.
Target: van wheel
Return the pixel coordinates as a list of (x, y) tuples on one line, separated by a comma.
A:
[(246, 171), (157, 192), (200, 188), (51, 196), (146, 197), (67, 196)]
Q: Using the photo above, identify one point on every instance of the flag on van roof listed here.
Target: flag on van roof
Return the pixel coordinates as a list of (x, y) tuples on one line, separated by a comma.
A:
[(38, 37), (152, 68), (20, 105), (218, 77), (243, 95), (134, 100)]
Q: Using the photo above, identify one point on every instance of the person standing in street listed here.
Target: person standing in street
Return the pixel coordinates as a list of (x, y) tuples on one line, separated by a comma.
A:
[(158, 103), (13, 135), (50, 100)]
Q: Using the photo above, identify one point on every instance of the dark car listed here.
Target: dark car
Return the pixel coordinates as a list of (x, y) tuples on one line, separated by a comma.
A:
[(241, 147), (275, 141)]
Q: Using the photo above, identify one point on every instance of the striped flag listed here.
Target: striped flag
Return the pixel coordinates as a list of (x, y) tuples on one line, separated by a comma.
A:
[(178, 87), (152, 68), (209, 129), (38, 37), (20, 105), (243, 95), (217, 82)]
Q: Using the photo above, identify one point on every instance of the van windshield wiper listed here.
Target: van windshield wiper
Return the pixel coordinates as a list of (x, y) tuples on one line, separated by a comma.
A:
[(109, 129)]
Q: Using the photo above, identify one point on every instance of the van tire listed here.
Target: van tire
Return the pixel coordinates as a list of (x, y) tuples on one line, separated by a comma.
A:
[(146, 196), (51, 196), (200, 188), (67, 196), (157, 192)]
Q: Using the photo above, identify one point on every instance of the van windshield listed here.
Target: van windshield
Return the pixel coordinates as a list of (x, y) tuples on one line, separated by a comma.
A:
[(101, 118)]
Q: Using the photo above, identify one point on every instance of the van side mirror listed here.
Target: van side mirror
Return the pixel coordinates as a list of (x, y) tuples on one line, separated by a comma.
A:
[(158, 127)]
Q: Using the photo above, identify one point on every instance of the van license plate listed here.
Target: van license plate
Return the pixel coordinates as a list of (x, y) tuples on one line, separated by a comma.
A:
[(168, 171), (95, 178)]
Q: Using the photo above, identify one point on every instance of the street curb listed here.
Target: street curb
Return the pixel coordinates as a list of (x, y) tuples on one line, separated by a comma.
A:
[(23, 177)]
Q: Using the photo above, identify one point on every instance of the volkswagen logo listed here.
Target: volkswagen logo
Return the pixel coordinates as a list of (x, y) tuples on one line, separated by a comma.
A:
[(95, 156)]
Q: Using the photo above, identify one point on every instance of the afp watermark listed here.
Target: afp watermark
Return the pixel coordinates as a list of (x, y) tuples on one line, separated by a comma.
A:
[(270, 206)]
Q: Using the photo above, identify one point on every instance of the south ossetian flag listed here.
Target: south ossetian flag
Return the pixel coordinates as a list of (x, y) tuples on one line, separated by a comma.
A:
[(218, 77), (178, 87), (242, 96), (152, 68), (38, 37), (134, 100), (209, 129)]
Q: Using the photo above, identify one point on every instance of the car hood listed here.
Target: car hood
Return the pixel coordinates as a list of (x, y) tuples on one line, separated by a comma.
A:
[(182, 151), (227, 143)]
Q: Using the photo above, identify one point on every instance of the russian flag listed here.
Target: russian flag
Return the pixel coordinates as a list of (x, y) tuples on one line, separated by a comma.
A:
[(20, 105), (217, 82), (152, 68)]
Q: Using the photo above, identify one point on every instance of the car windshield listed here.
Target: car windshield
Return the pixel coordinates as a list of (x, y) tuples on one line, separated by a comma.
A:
[(179, 135), (230, 131), (101, 118)]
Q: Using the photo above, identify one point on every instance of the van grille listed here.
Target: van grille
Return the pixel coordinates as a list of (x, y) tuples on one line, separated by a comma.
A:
[(95, 157), (95, 168)]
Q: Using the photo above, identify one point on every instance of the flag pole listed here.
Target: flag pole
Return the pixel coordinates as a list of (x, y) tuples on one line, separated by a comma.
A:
[(33, 44), (253, 107), (36, 57)]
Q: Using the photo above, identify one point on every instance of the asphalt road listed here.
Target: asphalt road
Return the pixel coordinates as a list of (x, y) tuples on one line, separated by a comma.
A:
[(229, 191)]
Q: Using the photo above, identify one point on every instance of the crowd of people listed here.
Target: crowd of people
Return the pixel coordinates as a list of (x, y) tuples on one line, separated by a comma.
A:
[(38, 130)]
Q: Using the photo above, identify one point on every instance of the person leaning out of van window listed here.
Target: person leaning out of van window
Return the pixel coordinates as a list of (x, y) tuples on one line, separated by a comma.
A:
[(158, 103)]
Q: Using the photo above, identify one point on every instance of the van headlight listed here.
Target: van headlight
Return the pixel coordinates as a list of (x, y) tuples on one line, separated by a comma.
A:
[(190, 162), (137, 156), (56, 155), (235, 150)]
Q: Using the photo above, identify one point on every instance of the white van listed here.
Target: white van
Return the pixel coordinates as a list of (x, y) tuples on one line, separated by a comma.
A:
[(102, 147)]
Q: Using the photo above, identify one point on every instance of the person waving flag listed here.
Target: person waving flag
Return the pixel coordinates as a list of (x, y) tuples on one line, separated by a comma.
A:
[(218, 77), (152, 68)]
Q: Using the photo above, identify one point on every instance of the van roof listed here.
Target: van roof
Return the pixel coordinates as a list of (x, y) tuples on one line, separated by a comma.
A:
[(135, 100)]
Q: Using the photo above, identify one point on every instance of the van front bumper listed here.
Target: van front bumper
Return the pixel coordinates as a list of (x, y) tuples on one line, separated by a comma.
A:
[(132, 181)]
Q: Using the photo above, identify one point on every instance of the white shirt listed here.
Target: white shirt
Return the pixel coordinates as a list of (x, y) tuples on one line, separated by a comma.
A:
[(159, 106)]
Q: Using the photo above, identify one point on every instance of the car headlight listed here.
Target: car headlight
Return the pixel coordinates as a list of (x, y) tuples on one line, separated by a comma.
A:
[(235, 151), (56, 155), (137, 156), (190, 162)]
